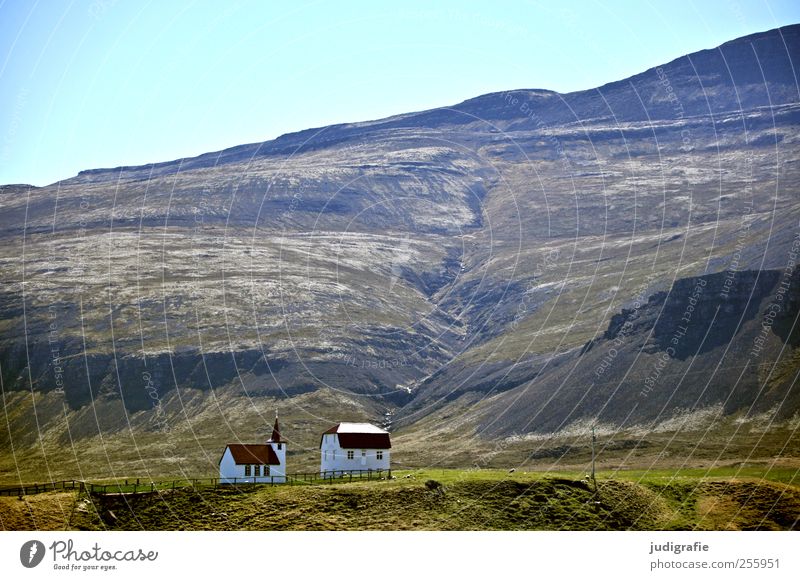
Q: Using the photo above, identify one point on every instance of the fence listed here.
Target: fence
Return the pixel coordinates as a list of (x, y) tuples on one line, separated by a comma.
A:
[(345, 475), (32, 488), (137, 486)]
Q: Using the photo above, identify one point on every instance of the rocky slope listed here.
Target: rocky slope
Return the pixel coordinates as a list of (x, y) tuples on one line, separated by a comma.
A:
[(481, 261)]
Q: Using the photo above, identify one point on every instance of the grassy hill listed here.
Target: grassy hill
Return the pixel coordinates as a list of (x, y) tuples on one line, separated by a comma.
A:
[(741, 499)]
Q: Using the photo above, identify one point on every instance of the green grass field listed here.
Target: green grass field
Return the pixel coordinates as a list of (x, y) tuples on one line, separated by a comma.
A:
[(785, 475), (721, 499)]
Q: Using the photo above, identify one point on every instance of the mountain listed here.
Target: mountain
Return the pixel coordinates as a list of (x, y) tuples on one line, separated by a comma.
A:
[(505, 271)]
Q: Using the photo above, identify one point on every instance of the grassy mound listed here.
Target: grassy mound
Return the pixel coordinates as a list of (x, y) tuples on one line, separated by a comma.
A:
[(442, 500)]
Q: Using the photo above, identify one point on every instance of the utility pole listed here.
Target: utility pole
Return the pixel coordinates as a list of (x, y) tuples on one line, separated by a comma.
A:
[(594, 481)]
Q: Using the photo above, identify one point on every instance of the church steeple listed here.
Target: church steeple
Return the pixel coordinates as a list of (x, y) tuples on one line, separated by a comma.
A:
[(276, 431)]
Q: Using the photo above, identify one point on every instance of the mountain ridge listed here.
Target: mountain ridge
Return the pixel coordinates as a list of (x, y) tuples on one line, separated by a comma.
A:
[(792, 31), (457, 274)]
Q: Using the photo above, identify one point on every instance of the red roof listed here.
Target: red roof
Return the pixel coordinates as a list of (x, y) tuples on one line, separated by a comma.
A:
[(360, 436), (364, 440), (253, 454)]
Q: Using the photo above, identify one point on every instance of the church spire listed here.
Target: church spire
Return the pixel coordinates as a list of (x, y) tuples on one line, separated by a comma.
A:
[(276, 431)]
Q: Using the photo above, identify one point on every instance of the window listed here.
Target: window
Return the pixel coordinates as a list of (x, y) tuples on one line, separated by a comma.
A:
[(247, 471), (350, 454), (379, 455), (363, 453), (279, 446), (256, 470), (266, 471)]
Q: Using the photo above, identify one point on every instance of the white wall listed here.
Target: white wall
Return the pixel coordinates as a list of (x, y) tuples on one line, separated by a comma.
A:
[(279, 470), (334, 458), (227, 467), (228, 470)]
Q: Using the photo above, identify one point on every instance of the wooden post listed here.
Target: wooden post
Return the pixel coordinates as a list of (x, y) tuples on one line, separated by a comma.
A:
[(594, 481)]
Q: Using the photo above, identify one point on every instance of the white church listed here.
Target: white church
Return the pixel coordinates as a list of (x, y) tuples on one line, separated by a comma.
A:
[(352, 447), (255, 463)]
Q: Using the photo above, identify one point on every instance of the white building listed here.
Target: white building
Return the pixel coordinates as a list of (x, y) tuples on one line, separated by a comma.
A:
[(352, 447), (255, 463)]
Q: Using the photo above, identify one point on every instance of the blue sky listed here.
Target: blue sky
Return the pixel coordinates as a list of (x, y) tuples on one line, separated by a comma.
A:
[(101, 83)]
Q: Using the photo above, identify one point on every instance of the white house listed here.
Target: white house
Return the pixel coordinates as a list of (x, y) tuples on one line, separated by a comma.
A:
[(349, 447), (255, 463)]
